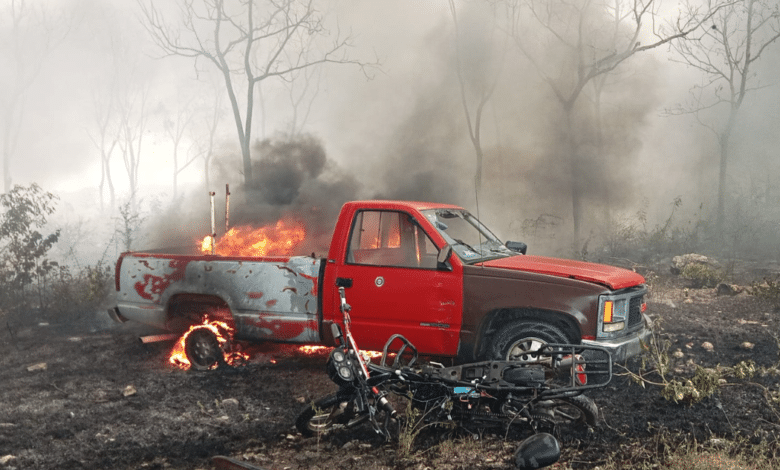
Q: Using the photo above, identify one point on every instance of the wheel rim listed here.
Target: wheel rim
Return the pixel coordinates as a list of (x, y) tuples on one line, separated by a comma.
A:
[(320, 423), (203, 349), (559, 412), (339, 416), (522, 350)]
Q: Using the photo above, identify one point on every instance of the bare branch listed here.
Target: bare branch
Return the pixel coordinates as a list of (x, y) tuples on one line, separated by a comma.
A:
[(248, 41), (725, 54)]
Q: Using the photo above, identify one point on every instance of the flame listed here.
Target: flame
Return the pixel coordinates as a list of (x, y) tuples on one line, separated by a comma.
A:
[(278, 239), (206, 244), (224, 333), (375, 354), (312, 349)]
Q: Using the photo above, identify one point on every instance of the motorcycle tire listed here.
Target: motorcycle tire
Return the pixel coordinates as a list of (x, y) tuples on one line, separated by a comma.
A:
[(577, 411), (326, 414)]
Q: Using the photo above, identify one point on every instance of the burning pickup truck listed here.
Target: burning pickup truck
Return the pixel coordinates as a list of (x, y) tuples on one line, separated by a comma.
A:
[(431, 272)]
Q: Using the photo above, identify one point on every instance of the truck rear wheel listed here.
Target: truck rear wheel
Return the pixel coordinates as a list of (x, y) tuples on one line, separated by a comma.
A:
[(203, 349), (521, 339)]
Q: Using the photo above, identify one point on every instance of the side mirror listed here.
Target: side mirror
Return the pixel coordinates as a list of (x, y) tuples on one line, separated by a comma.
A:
[(518, 247), (537, 451), (442, 261)]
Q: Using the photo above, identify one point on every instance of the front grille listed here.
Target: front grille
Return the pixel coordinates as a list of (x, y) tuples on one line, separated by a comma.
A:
[(635, 311)]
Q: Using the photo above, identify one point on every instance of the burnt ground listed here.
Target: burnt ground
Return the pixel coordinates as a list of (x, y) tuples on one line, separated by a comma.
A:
[(81, 396)]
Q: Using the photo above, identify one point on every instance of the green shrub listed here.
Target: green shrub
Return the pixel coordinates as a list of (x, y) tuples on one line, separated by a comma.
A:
[(78, 290), (23, 248), (702, 275), (768, 290)]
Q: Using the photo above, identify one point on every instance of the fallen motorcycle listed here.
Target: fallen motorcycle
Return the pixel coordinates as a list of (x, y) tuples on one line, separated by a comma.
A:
[(542, 393)]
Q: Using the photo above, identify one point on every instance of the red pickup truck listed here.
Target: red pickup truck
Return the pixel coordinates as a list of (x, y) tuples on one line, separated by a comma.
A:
[(431, 272)]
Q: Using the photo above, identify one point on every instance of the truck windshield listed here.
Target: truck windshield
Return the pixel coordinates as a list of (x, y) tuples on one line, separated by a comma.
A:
[(470, 240)]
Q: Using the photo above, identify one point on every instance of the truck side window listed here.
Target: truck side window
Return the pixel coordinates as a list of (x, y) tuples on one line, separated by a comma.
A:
[(389, 238)]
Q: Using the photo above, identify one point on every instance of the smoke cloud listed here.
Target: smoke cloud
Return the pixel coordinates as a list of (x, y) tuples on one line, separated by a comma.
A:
[(404, 134)]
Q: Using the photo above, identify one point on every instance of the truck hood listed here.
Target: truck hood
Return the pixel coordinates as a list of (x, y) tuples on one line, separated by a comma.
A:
[(610, 276)]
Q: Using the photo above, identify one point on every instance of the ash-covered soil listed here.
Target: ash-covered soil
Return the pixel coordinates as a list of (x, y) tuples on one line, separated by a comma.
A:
[(71, 398)]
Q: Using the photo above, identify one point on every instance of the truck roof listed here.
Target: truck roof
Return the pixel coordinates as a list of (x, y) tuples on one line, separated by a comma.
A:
[(391, 204)]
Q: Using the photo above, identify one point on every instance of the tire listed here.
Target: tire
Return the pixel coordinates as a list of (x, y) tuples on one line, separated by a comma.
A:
[(203, 349), (516, 342), (575, 411), (325, 415)]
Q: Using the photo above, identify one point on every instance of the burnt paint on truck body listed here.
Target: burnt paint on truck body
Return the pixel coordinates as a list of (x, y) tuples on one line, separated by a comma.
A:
[(285, 310), (493, 295)]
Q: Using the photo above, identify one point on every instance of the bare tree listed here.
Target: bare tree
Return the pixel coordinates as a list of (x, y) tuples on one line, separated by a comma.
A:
[(595, 37), (116, 84), (175, 129), (726, 53), (482, 89), (302, 90), (105, 141), (133, 117), (24, 45), (203, 135), (247, 44)]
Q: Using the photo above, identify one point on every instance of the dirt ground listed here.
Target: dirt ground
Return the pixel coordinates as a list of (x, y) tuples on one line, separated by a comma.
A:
[(88, 395)]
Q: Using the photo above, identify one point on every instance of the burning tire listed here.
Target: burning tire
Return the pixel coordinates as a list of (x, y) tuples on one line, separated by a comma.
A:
[(203, 349)]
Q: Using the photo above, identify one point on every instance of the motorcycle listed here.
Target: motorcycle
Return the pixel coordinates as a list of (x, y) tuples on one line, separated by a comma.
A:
[(542, 393)]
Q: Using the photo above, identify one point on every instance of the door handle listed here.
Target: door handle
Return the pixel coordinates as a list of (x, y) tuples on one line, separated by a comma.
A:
[(344, 282)]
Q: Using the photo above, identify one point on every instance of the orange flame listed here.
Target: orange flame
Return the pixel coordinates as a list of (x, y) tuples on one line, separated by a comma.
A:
[(279, 239), (312, 349), (224, 334)]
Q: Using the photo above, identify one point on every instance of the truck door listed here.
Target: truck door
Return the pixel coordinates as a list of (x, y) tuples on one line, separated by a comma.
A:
[(396, 286)]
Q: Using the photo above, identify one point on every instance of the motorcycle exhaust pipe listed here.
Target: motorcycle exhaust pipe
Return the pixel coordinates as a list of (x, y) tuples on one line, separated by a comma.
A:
[(213, 222)]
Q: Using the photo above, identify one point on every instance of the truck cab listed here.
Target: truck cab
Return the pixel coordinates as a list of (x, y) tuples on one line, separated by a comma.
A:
[(435, 274)]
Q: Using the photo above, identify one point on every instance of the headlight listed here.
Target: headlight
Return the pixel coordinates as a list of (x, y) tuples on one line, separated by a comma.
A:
[(340, 367), (345, 372), (614, 315)]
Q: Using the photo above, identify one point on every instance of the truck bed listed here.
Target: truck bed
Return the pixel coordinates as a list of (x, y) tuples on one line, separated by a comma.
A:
[(270, 298)]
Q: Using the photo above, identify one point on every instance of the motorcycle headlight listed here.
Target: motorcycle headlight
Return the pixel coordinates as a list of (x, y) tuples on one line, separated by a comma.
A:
[(340, 367), (338, 355), (345, 373)]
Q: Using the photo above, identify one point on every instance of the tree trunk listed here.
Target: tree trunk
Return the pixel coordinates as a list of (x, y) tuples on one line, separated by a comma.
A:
[(7, 151), (724, 154), (574, 167)]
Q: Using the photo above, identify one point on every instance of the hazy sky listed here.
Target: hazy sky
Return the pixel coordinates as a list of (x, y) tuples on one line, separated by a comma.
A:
[(400, 132)]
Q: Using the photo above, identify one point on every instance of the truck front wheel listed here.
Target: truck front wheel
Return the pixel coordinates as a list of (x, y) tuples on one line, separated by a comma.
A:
[(519, 340)]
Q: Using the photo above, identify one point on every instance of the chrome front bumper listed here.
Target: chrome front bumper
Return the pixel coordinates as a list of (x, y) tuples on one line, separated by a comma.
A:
[(625, 347)]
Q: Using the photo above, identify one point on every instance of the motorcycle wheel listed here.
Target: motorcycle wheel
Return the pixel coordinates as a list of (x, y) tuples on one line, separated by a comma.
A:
[(578, 410), (326, 414)]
